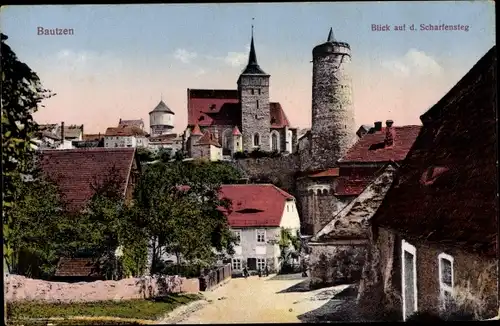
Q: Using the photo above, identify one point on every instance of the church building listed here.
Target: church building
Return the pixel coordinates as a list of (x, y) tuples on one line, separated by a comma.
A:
[(241, 119)]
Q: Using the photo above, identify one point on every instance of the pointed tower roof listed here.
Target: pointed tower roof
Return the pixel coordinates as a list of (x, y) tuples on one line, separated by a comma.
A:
[(253, 67), (162, 107), (236, 131), (330, 38), (196, 131)]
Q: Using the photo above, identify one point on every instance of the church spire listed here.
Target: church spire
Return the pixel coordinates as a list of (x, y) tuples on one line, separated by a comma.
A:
[(252, 66), (330, 39)]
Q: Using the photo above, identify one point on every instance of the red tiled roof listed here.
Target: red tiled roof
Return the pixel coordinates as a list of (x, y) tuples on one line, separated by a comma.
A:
[(351, 187), (255, 205), (221, 107), (196, 130), (74, 170), (208, 139), (204, 104), (459, 139), (76, 267), (278, 116), (333, 172), (371, 149), (125, 131), (236, 131)]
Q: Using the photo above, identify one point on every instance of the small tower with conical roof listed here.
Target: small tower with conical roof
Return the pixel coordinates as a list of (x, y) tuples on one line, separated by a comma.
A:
[(237, 140), (333, 126), (253, 88), (161, 120)]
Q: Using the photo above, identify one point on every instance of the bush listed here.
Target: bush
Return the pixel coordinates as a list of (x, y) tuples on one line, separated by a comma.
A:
[(183, 270), (256, 154)]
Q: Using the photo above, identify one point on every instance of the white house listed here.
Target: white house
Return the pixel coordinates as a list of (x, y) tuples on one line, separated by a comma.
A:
[(258, 213), (125, 137)]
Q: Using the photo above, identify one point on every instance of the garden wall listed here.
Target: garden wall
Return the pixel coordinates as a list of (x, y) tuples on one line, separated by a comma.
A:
[(20, 288)]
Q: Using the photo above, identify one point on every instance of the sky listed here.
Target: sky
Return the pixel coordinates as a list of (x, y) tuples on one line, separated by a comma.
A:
[(123, 59)]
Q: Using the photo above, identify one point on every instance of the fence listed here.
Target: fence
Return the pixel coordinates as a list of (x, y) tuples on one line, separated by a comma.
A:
[(214, 277)]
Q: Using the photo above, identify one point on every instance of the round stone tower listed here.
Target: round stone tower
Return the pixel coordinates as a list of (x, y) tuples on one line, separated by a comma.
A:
[(333, 126)]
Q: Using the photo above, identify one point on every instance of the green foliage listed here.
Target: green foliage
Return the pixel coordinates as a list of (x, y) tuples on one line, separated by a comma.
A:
[(290, 246), (257, 153), (37, 211), (145, 155), (185, 221), (22, 92)]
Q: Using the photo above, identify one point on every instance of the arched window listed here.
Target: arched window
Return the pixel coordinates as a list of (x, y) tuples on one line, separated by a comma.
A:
[(256, 139), (275, 141), (289, 141)]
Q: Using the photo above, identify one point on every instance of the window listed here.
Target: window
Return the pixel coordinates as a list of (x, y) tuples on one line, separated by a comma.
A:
[(287, 208), (261, 263), (256, 140), (116, 145), (445, 276), (257, 104), (236, 263), (252, 91), (275, 141), (409, 279), (237, 234), (261, 236), (259, 91)]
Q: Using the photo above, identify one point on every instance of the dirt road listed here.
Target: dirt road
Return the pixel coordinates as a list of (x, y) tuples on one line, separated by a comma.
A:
[(257, 300)]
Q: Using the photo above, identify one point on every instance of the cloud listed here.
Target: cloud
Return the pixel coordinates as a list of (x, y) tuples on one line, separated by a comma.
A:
[(87, 61), (233, 59), (414, 62), (200, 72), (184, 56)]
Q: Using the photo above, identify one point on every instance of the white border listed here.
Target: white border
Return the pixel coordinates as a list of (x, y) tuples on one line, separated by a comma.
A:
[(406, 247), (443, 287)]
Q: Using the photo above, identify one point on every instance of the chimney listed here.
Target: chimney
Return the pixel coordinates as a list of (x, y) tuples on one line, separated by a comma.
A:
[(378, 125), (62, 132), (390, 133)]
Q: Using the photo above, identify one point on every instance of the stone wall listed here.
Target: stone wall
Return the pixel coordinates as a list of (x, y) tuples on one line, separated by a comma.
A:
[(281, 170), (255, 110), (475, 284), (331, 264), (318, 204), (20, 288), (333, 126)]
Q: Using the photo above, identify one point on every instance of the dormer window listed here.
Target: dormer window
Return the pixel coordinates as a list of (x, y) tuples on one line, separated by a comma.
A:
[(201, 118), (212, 106)]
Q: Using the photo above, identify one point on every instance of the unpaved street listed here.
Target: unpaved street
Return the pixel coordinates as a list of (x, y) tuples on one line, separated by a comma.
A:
[(256, 300)]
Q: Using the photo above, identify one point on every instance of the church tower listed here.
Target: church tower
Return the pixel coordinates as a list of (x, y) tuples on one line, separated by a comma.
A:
[(253, 89), (333, 126)]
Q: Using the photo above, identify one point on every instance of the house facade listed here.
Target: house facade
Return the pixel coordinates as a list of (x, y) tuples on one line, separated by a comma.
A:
[(434, 239), (204, 145), (125, 137), (259, 212)]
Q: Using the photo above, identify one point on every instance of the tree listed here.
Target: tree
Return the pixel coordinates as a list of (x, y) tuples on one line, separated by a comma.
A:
[(37, 211), (179, 207), (22, 92), (289, 247)]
